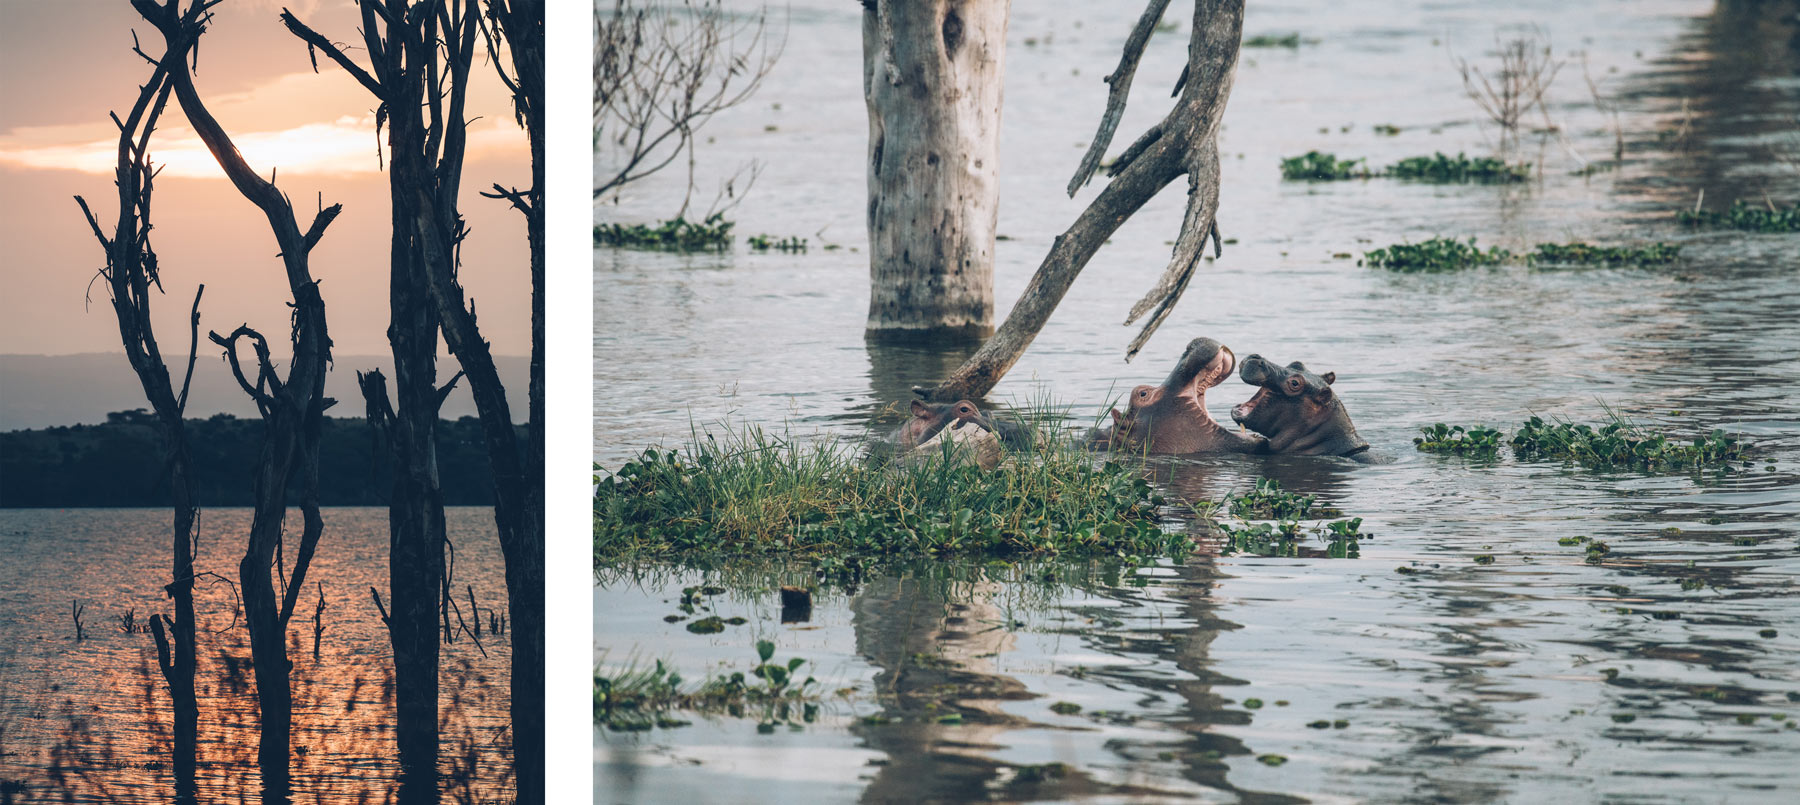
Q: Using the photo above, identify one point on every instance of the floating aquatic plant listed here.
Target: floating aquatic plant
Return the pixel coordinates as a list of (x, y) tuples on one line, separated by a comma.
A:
[(678, 235), (1578, 253), (1436, 254), (1441, 169), (1748, 217), (1318, 166), (1273, 41), (1473, 440)]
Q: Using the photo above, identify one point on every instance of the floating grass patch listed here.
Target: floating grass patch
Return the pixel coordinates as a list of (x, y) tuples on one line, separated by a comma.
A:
[(1748, 217), (1449, 254), (1620, 443), (638, 699), (1439, 168), (1273, 41), (1473, 440), (1436, 254), (763, 243), (1578, 253), (1617, 443), (1442, 169), (1282, 531), (678, 235), (1319, 166), (751, 493)]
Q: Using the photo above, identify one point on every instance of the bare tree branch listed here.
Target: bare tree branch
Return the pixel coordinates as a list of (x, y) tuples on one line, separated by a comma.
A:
[(1120, 82)]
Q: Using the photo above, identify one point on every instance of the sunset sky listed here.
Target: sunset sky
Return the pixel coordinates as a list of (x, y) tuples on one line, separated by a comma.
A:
[(64, 65)]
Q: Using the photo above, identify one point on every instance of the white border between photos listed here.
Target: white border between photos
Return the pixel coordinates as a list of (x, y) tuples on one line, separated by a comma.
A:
[(569, 356)]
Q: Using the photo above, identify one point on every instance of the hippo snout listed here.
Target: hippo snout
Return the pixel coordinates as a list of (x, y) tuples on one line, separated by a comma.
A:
[(1255, 370)]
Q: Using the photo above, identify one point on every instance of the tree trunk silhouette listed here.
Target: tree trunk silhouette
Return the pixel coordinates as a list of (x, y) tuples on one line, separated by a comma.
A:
[(1184, 142), (426, 53), (131, 269), (932, 77), (291, 407), (520, 24)]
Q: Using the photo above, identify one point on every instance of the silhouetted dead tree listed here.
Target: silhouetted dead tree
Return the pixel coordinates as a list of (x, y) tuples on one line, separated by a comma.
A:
[(520, 25), (130, 272), (420, 54), (1184, 142), (660, 73), (292, 407)]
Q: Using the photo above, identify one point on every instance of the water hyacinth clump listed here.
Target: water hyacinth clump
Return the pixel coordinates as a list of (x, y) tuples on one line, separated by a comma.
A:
[(1473, 440), (1622, 444), (1747, 217), (1436, 254), (1442, 169), (750, 493), (1616, 444), (678, 235), (1273, 41), (1578, 253), (635, 699), (1317, 166)]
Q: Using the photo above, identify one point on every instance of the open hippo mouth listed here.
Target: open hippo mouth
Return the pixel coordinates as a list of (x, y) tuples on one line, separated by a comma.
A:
[(1217, 367), (1256, 372)]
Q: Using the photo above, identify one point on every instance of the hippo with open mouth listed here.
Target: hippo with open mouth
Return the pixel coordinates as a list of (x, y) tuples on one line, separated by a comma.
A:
[(1172, 418), (1297, 411)]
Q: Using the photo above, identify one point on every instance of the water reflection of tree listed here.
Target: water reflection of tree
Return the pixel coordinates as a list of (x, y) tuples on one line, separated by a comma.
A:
[(940, 636)]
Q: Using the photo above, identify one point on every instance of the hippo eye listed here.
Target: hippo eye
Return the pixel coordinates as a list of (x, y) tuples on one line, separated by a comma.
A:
[(962, 409), (1295, 384)]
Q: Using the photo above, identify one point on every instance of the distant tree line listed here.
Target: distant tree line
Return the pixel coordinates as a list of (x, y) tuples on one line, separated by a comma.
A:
[(119, 463)]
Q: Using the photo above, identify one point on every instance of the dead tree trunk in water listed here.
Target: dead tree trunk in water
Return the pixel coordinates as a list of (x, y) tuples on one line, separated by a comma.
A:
[(932, 78), (428, 56), (131, 269), (520, 24), (413, 82), (1185, 142), (292, 407)]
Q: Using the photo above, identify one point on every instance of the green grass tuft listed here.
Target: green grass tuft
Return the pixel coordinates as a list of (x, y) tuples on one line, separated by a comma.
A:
[(749, 493)]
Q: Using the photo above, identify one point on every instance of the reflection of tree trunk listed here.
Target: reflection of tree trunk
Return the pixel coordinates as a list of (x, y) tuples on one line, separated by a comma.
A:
[(894, 369), (131, 267), (291, 407), (929, 649), (932, 78)]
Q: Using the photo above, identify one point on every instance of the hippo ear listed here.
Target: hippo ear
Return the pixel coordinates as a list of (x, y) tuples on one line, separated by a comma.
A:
[(1118, 418), (1297, 365), (1330, 378), (921, 410)]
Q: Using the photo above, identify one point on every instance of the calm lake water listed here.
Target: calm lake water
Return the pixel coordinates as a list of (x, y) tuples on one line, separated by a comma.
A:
[(1535, 678), (91, 720)]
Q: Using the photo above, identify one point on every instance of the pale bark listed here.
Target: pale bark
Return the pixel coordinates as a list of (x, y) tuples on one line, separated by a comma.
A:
[(932, 73), (1184, 142)]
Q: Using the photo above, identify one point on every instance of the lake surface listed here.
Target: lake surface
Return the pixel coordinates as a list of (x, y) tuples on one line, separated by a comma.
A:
[(91, 720), (1537, 677)]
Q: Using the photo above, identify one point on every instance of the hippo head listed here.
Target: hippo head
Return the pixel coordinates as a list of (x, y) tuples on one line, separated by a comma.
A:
[(1296, 410), (1172, 418), (929, 418)]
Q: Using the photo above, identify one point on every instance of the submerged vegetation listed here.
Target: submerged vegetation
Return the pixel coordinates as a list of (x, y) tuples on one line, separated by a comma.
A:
[(1450, 254), (1747, 217), (751, 493), (637, 699), (1438, 168), (676, 235), (1617, 444), (1281, 532), (1291, 40)]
